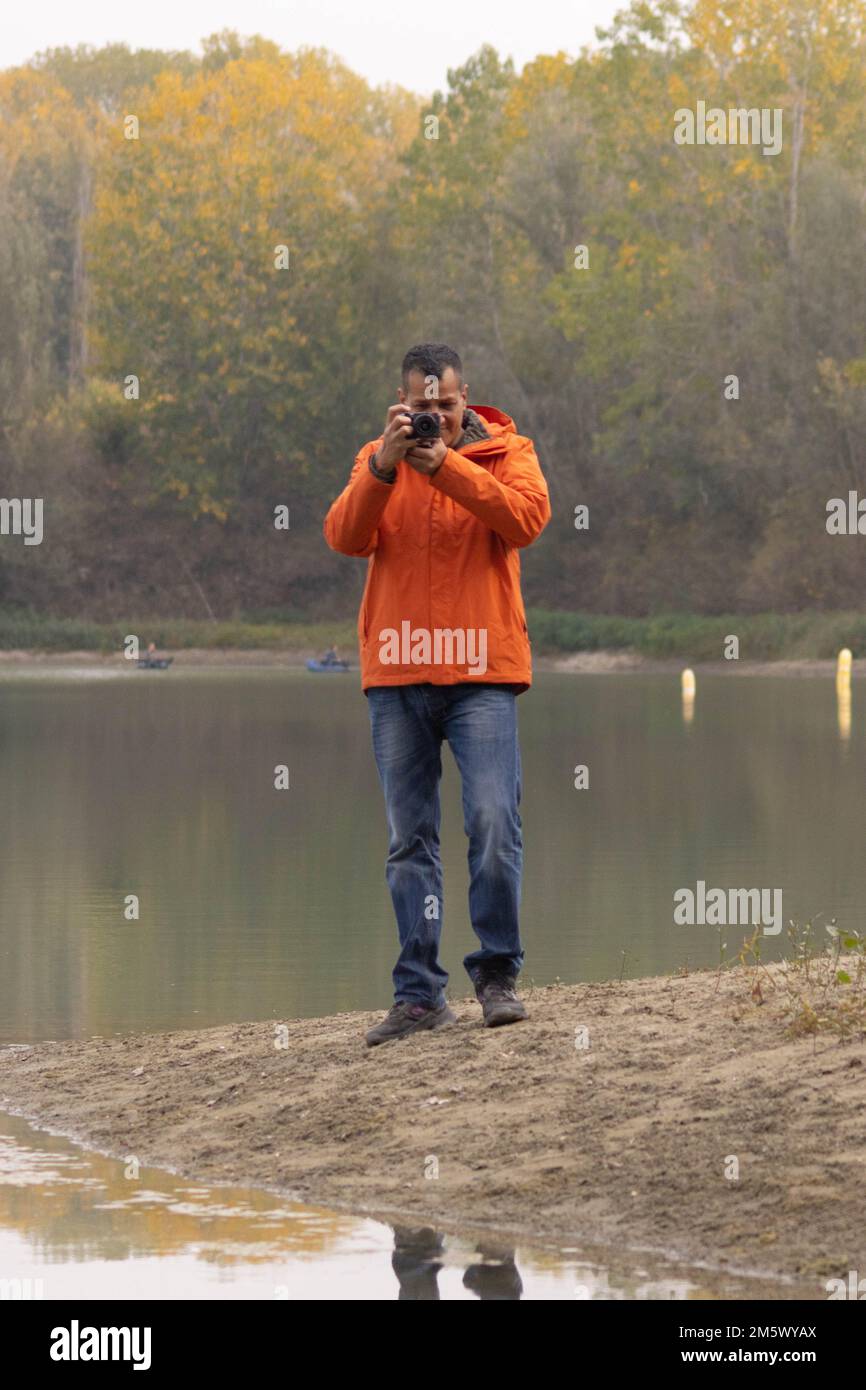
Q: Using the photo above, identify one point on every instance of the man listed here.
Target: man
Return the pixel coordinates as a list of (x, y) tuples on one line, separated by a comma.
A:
[(442, 513)]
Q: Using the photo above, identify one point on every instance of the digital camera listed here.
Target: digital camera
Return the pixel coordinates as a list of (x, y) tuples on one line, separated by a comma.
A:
[(425, 425)]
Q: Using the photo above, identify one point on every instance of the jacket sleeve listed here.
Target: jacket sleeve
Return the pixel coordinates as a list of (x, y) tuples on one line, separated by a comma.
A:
[(516, 505), (351, 524)]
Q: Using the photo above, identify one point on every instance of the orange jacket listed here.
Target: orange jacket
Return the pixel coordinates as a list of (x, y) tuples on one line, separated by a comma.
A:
[(442, 600)]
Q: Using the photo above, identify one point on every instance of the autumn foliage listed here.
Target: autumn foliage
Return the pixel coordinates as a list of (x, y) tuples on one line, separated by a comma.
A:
[(455, 216)]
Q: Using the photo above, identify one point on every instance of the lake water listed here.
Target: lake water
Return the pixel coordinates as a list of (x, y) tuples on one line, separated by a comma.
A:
[(76, 1225), (259, 903)]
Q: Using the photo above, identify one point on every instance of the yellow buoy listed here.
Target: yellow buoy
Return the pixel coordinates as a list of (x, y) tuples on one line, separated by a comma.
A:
[(688, 688), (843, 669)]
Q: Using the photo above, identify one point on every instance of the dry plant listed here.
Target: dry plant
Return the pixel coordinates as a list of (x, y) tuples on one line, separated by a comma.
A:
[(821, 984)]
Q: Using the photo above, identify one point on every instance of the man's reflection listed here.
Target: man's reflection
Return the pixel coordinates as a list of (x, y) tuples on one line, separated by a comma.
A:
[(417, 1260)]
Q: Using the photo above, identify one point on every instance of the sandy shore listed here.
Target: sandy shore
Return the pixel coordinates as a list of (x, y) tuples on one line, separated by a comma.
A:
[(621, 1144)]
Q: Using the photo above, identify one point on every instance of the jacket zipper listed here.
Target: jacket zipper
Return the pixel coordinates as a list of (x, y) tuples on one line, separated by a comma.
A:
[(430, 566)]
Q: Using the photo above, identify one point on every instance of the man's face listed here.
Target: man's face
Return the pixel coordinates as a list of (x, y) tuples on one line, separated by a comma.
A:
[(445, 398)]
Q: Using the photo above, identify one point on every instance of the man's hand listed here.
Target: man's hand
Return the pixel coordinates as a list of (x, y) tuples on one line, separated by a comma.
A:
[(426, 458), (396, 438)]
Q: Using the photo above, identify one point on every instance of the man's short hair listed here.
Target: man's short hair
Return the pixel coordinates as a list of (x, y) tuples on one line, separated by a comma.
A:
[(431, 359)]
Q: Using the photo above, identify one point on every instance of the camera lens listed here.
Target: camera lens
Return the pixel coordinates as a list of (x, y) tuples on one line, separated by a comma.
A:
[(426, 426)]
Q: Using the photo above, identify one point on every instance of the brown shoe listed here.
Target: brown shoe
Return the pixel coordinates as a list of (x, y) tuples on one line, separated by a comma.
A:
[(405, 1018), (498, 998)]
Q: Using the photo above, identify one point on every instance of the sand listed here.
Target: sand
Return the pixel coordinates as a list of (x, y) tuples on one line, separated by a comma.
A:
[(622, 1144)]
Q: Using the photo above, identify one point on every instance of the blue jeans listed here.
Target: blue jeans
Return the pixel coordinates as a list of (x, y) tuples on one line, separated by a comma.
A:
[(408, 724)]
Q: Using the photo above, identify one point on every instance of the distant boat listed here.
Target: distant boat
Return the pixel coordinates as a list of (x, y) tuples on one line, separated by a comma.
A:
[(313, 664), (154, 663)]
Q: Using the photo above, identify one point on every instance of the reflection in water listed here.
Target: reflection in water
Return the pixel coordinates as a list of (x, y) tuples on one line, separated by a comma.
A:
[(843, 700), (494, 1275), (258, 904), (418, 1258), (74, 1224), (687, 685), (416, 1262), (843, 693)]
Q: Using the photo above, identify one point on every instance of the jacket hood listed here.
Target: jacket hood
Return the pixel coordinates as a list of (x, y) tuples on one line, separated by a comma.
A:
[(490, 432), (502, 423)]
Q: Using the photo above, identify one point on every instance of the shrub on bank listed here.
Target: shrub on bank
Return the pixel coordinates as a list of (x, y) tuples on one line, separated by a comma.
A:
[(685, 636)]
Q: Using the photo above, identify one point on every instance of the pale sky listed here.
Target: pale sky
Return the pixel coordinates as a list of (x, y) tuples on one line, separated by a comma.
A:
[(405, 41)]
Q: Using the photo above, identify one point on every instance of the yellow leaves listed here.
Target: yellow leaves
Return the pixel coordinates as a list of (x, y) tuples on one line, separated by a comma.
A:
[(203, 504), (855, 371), (38, 119), (207, 506)]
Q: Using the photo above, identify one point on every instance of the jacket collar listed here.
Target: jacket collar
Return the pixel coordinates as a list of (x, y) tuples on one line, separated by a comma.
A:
[(483, 428), (473, 429)]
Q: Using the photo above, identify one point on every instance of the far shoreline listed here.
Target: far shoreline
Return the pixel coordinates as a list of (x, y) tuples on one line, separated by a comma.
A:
[(602, 662)]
